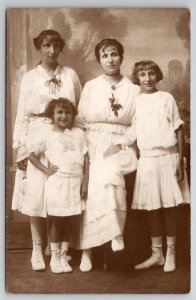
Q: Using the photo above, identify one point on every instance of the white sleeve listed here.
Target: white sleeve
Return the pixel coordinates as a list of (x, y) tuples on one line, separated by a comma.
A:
[(174, 114), (83, 143), (77, 87), (21, 122), (80, 119)]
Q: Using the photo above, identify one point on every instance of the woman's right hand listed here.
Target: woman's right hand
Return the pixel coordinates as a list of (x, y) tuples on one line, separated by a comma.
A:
[(22, 165), (51, 171), (113, 149)]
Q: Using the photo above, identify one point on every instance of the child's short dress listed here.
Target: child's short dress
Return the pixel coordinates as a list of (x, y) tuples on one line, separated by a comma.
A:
[(66, 151), (156, 186)]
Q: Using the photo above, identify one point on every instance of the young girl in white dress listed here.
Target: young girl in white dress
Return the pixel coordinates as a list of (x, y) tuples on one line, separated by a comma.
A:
[(161, 184), (66, 151)]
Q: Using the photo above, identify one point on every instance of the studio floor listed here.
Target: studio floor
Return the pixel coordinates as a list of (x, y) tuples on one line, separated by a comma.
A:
[(120, 277), (21, 279)]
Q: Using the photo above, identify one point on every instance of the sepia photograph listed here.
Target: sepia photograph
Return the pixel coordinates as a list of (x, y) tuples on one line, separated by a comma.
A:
[(98, 151)]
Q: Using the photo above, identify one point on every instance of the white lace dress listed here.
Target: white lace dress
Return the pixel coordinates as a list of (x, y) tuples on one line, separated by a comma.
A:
[(35, 93), (105, 209)]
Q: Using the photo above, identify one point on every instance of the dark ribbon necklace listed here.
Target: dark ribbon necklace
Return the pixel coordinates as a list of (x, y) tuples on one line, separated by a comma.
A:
[(54, 84)]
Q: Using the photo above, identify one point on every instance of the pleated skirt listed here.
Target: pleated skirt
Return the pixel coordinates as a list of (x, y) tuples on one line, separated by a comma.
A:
[(156, 183)]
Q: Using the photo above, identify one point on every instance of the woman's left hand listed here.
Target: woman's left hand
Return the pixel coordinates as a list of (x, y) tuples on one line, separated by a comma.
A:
[(112, 150)]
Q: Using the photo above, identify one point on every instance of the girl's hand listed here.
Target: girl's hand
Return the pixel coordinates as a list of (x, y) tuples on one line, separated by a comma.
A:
[(52, 170), (180, 171), (84, 190), (112, 150), (22, 165)]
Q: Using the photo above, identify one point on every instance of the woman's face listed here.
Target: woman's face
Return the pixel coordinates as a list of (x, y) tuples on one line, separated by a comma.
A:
[(50, 51), (110, 60)]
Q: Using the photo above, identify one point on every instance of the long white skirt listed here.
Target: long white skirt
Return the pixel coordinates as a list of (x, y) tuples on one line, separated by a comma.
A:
[(29, 189), (156, 185), (105, 208)]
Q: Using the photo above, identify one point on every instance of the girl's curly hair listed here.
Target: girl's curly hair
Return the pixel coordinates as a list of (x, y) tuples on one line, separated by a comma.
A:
[(61, 102)]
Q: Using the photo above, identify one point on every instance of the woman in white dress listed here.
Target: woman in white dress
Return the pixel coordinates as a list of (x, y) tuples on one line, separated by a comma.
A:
[(106, 110), (47, 81)]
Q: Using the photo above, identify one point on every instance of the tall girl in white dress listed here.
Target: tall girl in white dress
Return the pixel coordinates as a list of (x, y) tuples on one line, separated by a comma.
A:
[(66, 151), (47, 81), (161, 184), (107, 108)]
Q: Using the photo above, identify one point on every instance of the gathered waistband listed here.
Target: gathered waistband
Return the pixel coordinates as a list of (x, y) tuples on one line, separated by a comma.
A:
[(107, 127), (158, 151)]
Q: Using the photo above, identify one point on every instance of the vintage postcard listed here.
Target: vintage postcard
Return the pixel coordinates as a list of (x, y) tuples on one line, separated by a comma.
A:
[(98, 151)]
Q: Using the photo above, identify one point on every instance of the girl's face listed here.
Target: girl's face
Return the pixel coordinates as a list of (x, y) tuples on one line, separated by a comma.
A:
[(50, 51), (110, 60), (63, 117), (148, 80)]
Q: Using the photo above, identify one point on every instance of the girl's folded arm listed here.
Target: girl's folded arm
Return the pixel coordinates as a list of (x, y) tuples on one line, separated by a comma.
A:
[(36, 162)]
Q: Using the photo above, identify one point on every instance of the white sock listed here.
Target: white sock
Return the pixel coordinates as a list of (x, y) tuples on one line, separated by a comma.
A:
[(64, 246), (37, 245), (55, 246), (171, 241)]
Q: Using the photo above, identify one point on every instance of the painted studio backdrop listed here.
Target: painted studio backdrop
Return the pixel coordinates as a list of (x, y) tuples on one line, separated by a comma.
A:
[(161, 35)]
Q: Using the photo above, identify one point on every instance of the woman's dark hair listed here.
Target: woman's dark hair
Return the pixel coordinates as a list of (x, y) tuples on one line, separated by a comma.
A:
[(107, 43), (61, 102), (51, 36), (145, 65)]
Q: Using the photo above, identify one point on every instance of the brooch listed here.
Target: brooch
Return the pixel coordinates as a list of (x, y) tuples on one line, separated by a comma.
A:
[(115, 105)]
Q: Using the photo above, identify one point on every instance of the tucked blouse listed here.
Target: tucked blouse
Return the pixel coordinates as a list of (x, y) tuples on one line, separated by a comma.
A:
[(95, 109), (157, 119), (95, 104)]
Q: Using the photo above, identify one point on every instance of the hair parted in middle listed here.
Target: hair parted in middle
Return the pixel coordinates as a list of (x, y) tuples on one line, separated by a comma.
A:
[(145, 65), (62, 103), (50, 35), (108, 43)]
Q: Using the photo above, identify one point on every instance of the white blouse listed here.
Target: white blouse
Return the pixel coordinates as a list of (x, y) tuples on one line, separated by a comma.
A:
[(95, 103), (65, 150), (157, 119), (95, 110)]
